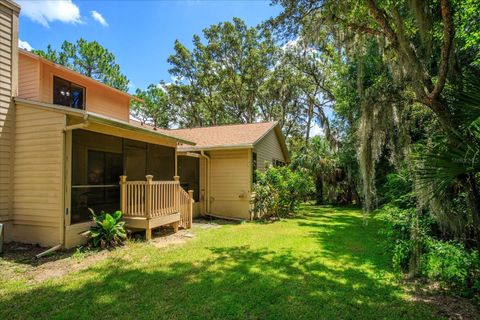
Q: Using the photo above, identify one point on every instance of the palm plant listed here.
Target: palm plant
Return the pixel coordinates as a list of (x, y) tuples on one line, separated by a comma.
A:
[(446, 171)]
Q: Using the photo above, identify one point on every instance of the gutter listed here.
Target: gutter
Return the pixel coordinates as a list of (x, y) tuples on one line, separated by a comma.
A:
[(214, 148)]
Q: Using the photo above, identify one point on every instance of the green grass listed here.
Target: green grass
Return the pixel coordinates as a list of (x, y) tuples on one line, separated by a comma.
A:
[(323, 265)]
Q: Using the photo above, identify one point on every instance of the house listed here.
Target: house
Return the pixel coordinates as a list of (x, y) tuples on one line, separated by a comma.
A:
[(66, 141), (221, 166), (67, 145)]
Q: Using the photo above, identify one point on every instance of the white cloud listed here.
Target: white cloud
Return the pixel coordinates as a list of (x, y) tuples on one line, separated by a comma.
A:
[(99, 18), (45, 11), (24, 45)]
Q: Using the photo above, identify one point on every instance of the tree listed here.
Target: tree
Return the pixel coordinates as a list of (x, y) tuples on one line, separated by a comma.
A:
[(155, 109), (219, 81), (90, 59), (398, 64)]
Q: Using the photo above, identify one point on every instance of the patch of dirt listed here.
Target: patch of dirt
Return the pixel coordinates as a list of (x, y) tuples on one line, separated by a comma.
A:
[(205, 224), (164, 238), (449, 306), (19, 262)]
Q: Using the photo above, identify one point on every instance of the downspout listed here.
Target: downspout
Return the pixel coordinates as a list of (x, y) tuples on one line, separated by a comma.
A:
[(207, 183)]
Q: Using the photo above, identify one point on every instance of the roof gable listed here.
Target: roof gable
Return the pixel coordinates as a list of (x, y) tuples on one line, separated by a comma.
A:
[(229, 136)]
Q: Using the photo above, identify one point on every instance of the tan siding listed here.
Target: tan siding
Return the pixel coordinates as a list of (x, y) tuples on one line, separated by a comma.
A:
[(8, 88), (230, 183), (38, 176), (28, 78), (99, 99), (267, 149)]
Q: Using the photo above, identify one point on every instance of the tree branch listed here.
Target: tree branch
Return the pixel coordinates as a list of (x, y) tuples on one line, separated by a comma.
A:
[(448, 33)]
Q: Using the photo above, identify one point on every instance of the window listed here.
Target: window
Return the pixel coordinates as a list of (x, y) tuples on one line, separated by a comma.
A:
[(68, 94), (254, 167)]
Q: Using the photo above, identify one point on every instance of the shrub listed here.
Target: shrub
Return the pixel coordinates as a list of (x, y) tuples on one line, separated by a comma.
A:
[(278, 192), (448, 262), (452, 265), (398, 227), (108, 230)]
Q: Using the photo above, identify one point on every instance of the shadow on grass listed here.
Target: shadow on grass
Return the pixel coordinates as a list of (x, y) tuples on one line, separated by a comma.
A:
[(234, 282), (347, 235)]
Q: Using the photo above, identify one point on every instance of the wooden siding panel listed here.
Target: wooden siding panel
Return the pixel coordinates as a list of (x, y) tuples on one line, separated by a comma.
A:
[(28, 78), (230, 183), (8, 87), (267, 149), (38, 176)]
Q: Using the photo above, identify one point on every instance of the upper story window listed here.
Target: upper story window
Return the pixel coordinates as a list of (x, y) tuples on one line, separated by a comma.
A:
[(68, 94)]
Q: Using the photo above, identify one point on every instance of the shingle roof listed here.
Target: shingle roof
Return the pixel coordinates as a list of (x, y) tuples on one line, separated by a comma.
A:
[(236, 135), (223, 137)]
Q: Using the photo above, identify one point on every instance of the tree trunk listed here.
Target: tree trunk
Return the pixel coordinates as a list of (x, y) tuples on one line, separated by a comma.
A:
[(414, 261), (309, 123), (319, 190)]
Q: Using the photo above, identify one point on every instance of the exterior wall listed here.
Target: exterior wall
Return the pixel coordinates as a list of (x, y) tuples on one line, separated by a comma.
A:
[(38, 176), (36, 83), (28, 78), (267, 149), (230, 183), (8, 88), (98, 98)]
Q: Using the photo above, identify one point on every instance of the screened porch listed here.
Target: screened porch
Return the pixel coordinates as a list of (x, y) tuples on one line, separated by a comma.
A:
[(151, 197)]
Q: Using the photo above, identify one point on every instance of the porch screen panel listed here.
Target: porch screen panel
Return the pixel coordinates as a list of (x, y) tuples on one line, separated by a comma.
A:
[(161, 162), (97, 163), (135, 162), (189, 172)]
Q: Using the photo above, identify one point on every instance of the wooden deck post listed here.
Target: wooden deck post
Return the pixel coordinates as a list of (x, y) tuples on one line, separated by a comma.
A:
[(148, 196), (123, 194), (190, 208), (176, 197)]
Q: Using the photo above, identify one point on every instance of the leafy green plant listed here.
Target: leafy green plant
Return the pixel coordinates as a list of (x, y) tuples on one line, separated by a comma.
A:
[(452, 265), (108, 230), (398, 230), (279, 191)]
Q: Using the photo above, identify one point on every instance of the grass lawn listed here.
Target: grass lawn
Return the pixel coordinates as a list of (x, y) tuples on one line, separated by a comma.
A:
[(323, 265)]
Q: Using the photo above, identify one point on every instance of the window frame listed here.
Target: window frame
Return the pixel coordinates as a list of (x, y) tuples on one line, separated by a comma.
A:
[(70, 83)]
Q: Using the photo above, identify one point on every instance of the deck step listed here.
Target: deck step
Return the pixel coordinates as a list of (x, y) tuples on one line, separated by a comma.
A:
[(154, 222)]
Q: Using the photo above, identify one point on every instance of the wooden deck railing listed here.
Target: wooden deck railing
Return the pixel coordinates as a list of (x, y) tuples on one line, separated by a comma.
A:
[(151, 199)]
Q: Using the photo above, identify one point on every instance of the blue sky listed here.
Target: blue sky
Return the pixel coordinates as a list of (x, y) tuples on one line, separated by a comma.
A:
[(141, 34)]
